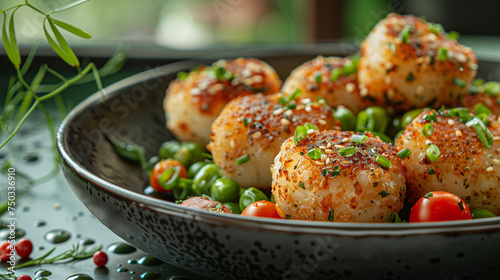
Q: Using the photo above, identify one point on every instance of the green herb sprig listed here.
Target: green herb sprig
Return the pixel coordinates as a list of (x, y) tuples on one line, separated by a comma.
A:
[(77, 252)]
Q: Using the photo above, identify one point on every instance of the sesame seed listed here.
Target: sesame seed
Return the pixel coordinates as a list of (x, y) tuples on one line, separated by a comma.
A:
[(388, 65), (310, 131), (258, 79), (212, 90), (300, 107), (328, 145), (321, 101), (218, 87), (451, 122), (420, 60), (329, 151), (257, 135), (319, 162), (322, 147), (428, 142), (323, 157), (496, 138), (339, 146), (350, 87), (232, 144), (461, 57), (288, 112), (306, 100), (364, 92), (308, 108), (246, 72), (327, 161), (278, 111), (490, 169), (390, 93), (388, 80), (345, 140), (235, 82), (458, 133), (323, 122), (336, 127), (420, 89), (496, 161), (284, 122), (195, 91), (473, 66)]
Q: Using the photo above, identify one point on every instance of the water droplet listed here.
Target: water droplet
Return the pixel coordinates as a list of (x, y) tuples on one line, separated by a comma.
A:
[(42, 272), (149, 261), (131, 261), (57, 236), (79, 277), (30, 158), (39, 223), (121, 248), (177, 278), (86, 241), (150, 275), (122, 269), (41, 278), (6, 233)]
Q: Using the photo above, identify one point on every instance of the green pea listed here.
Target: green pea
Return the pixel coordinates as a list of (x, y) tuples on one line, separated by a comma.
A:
[(194, 168), (233, 207), (189, 153), (346, 118), (168, 149), (251, 195), (225, 190), (481, 213), (204, 179), (380, 116), (365, 122), (409, 116)]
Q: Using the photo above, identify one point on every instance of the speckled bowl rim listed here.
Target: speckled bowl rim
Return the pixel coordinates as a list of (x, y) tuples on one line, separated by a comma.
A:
[(354, 230)]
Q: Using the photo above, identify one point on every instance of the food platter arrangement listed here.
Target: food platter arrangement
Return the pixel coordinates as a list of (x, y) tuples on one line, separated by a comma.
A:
[(386, 160)]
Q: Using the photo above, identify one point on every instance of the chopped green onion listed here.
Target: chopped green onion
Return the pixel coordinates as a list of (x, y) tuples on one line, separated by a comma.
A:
[(246, 121), (431, 172), (404, 153), (404, 35), (288, 216), (480, 108), (482, 131), (347, 152), (336, 171), (428, 195), (384, 193), (283, 101), (242, 159), (360, 139), (330, 215), (301, 185), (299, 135), (478, 82), (311, 126), (443, 53), (410, 77), (318, 78), (295, 94), (383, 161), (335, 74), (433, 152), (168, 178), (459, 82), (435, 28), (220, 73), (325, 172), (393, 218), (453, 35), (492, 88), (182, 75), (428, 130), (314, 154), (461, 112)]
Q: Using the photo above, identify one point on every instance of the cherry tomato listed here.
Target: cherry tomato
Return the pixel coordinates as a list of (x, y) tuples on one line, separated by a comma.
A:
[(24, 277), (261, 208), (100, 258), (24, 247), (5, 250), (439, 206), (160, 167)]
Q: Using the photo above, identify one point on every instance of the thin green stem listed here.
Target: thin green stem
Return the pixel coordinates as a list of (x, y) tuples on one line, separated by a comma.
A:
[(35, 8)]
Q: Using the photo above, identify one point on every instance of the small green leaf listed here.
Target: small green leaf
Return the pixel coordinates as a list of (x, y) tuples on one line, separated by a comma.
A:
[(6, 42), (70, 28), (13, 41), (56, 47), (63, 44), (69, 6)]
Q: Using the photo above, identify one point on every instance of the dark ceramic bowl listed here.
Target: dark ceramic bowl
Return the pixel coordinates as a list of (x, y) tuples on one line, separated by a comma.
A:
[(222, 246)]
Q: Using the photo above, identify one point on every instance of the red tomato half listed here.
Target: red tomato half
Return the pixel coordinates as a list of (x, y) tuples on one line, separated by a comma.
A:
[(439, 206), (262, 208), (158, 170)]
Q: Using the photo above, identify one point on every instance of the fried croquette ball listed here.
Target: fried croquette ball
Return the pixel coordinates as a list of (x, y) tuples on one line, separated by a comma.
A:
[(452, 158), (193, 102), (408, 63), (331, 78), (248, 134), (330, 177)]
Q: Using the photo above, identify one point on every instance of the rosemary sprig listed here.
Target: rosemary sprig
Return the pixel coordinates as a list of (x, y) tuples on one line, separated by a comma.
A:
[(77, 252)]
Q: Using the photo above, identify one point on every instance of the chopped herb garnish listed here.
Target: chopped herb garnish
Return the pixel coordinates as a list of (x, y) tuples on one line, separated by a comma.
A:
[(242, 159), (246, 121), (392, 47), (442, 53), (461, 205), (482, 131), (347, 152), (360, 139), (383, 161), (314, 154), (431, 172), (404, 35), (325, 172), (393, 218), (182, 76), (335, 74), (428, 130), (453, 35), (311, 126), (459, 82), (428, 195), (375, 184), (318, 78), (384, 193), (336, 171), (480, 108), (433, 152), (410, 77), (299, 135), (288, 216), (330, 215), (435, 28), (283, 101), (301, 185), (404, 153), (492, 88), (295, 94), (430, 117)]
